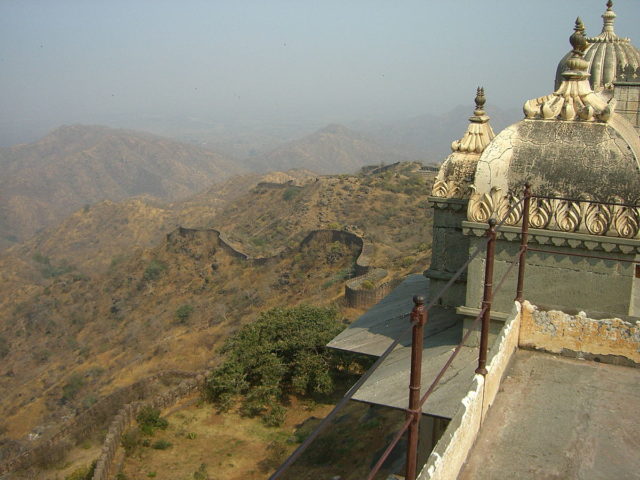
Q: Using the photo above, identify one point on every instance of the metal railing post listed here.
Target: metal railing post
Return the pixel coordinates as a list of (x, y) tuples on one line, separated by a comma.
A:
[(487, 298), (419, 319), (524, 239)]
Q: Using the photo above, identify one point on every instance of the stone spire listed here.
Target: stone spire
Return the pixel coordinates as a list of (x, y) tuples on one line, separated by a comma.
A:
[(479, 133), (574, 99), (608, 18), (457, 172)]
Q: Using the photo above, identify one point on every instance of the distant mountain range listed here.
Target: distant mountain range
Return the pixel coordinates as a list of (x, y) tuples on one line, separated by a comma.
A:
[(332, 149), (428, 137), (73, 166), (76, 166)]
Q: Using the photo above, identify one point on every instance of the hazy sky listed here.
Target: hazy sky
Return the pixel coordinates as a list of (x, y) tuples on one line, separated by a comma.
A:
[(66, 61)]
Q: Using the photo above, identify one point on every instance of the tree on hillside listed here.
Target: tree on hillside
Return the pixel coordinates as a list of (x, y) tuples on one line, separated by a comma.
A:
[(283, 352)]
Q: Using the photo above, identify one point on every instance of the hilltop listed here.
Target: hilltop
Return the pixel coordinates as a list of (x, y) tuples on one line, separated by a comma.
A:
[(80, 165), (332, 149), (134, 301)]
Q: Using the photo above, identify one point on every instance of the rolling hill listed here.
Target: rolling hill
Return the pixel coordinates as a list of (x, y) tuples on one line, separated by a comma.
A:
[(79, 165), (332, 149), (76, 329)]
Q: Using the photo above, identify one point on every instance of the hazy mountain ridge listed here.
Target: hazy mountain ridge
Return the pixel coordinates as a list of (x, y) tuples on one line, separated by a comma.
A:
[(77, 165), (332, 149), (428, 137)]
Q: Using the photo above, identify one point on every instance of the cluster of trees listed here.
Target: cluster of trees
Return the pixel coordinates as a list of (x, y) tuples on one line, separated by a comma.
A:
[(281, 353)]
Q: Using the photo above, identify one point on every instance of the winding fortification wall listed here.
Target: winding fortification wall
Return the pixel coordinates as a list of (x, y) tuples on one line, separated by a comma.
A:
[(89, 421), (368, 287), (124, 404), (127, 415)]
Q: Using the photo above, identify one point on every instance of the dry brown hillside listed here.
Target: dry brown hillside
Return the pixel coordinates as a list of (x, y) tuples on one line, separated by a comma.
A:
[(72, 329), (44, 181)]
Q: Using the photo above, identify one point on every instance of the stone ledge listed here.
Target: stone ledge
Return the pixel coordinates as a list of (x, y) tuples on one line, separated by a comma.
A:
[(457, 204), (440, 275), (556, 238)]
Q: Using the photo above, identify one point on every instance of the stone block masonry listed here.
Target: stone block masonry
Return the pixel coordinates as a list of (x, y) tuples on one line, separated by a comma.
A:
[(599, 337)]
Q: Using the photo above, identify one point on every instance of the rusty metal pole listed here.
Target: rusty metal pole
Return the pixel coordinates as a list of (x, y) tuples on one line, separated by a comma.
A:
[(524, 239), (419, 319), (487, 298)]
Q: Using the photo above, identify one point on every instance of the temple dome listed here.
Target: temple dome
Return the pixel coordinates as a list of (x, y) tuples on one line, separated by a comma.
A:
[(605, 54), (572, 143)]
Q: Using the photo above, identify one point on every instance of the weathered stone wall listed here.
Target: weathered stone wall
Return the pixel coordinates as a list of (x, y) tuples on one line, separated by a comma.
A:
[(627, 96), (127, 415), (573, 282), (357, 295), (89, 421), (179, 239), (611, 340), (449, 249), (451, 451)]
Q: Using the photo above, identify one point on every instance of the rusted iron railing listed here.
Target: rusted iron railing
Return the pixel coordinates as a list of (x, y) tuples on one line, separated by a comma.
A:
[(418, 320), (485, 312)]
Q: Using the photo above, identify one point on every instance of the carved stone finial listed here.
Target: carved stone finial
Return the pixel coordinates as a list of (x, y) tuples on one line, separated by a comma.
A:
[(574, 99), (480, 101), (577, 65), (608, 18), (578, 40), (479, 132)]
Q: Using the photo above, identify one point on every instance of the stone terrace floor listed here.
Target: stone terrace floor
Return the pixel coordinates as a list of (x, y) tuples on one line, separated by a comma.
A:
[(560, 418)]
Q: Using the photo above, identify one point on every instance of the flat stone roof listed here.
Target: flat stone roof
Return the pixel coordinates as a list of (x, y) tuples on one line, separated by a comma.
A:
[(388, 386), (556, 417), (374, 331)]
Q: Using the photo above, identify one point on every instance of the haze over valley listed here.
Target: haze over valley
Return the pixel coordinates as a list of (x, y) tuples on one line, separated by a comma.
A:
[(196, 197)]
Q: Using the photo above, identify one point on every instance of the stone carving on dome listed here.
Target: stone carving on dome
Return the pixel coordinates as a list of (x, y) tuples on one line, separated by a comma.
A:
[(457, 172), (626, 73), (578, 216), (479, 133), (574, 99), (450, 189), (608, 35)]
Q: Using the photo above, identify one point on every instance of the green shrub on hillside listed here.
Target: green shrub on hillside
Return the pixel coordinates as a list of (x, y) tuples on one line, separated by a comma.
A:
[(149, 420), (183, 313), (282, 352), (72, 387), (290, 193), (82, 473), (4, 347), (153, 270)]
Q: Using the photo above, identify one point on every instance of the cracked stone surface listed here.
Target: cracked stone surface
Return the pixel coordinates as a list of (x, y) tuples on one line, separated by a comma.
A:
[(560, 418), (563, 158)]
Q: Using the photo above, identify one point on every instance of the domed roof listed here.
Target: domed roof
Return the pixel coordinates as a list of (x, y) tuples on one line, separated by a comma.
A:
[(605, 53), (572, 143)]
